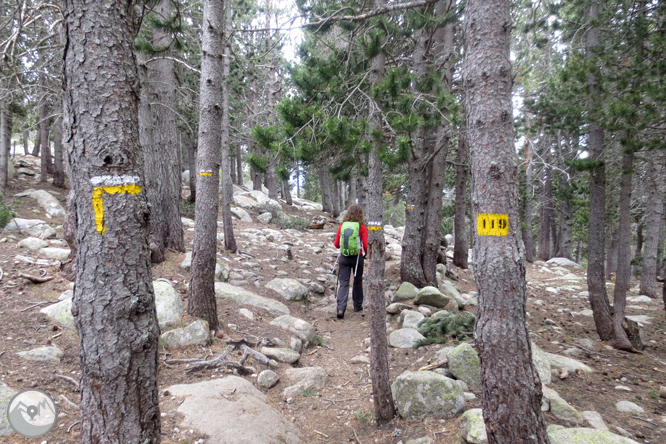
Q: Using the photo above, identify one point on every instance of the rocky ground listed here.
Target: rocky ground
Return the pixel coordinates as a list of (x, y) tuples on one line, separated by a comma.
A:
[(333, 403)]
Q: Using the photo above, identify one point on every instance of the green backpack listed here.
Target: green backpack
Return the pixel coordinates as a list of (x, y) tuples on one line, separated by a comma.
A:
[(349, 239)]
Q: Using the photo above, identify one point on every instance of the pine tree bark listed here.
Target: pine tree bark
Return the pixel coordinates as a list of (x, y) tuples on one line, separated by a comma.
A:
[(335, 198), (201, 302), (420, 243), (546, 208), (624, 254), (45, 153), (460, 240), (58, 161), (596, 282), (226, 186), (379, 368), (653, 225), (351, 199), (26, 134), (113, 303), (192, 166), (528, 217), (5, 141), (163, 163), (325, 186), (511, 397)]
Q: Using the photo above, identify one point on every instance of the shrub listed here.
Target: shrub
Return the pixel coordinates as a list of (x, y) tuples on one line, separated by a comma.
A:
[(446, 328), (6, 213)]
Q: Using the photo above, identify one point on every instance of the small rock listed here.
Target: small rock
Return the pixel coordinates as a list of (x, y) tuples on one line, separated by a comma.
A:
[(33, 243), (60, 254), (629, 407), (265, 217), (247, 313), (196, 333), (473, 428), (285, 355), (405, 292), (404, 338), (595, 420), (50, 354), (267, 378), (362, 359)]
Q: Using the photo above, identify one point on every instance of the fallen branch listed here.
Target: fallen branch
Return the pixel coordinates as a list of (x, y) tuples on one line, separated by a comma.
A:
[(2, 273), (435, 365), (259, 357), (322, 434), (358, 440), (69, 402), (36, 279), (36, 304), (217, 362), (67, 378), (69, 429)]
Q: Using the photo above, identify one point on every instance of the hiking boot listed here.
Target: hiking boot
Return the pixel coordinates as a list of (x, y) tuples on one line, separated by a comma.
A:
[(341, 315)]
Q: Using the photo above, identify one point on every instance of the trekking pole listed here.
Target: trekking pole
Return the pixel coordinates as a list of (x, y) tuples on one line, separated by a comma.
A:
[(365, 286), (337, 281)]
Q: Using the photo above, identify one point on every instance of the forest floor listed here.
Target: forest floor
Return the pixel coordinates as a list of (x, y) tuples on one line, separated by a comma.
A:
[(342, 411)]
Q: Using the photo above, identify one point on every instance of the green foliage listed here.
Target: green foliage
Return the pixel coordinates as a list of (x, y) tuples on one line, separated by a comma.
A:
[(6, 213), (448, 327), (281, 220), (187, 208), (364, 416), (308, 393), (257, 162), (394, 212), (319, 341)]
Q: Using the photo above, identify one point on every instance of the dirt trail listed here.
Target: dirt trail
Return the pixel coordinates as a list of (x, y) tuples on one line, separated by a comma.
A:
[(342, 411)]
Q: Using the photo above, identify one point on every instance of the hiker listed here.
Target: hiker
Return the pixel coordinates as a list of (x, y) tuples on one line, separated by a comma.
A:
[(352, 240)]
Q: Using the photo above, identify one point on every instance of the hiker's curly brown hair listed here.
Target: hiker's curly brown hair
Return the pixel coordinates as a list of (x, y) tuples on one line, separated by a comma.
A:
[(354, 214)]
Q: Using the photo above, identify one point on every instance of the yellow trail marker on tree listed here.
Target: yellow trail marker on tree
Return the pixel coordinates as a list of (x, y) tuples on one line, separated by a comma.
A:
[(98, 202), (488, 224)]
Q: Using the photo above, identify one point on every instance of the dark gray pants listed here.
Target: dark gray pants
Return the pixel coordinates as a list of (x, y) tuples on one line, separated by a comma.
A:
[(346, 270)]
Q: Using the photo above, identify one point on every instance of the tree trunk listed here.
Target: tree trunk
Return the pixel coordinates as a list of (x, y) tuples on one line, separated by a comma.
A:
[(418, 180), (351, 199), (546, 208), (596, 283), (45, 155), (113, 303), (201, 302), (286, 192), (26, 134), (460, 241), (5, 141), (379, 368), (226, 186), (362, 191), (444, 49), (564, 240), (511, 397), (336, 197), (611, 257), (432, 235), (528, 218), (653, 225), (325, 186), (58, 162), (192, 165), (239, 166), (624, 254), (163, 163)]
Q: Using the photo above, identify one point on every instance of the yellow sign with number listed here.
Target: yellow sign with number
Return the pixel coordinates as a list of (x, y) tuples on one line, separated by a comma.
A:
[(488, 224)]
